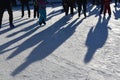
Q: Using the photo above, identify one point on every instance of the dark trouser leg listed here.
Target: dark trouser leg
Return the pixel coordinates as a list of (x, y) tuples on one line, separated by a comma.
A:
[(66, 9), (37, 8), (35, 11), (10, 15), (101, 10), (22, 9), (1, 16), (28, 8), (79, 10), (84, 9), (71, 10), (9, 9)]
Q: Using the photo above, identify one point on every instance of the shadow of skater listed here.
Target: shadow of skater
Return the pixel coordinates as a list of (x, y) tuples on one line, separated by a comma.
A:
[(116, 13), (96, 38), (47, 43), (29, 30)]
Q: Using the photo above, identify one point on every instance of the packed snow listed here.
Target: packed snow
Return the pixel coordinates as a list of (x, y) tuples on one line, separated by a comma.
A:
[(66, 48)]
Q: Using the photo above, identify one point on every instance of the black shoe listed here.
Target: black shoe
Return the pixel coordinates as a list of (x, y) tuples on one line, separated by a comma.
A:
[(12, 26), (40, 23), (44, 22), (22, 16), (29, 16), (109, 14), (78, 15), (37, 16), (85, 15), (0, 26)]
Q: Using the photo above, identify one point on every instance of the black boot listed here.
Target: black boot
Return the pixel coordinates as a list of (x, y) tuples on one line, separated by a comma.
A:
[(12, 26), (43, 22), (22, 16), (40, 23), (28, 16)]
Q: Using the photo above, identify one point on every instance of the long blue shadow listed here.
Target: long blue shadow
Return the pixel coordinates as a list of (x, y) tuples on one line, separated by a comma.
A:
[(96, 38), (30, 29), (47, 40), (116, 13)]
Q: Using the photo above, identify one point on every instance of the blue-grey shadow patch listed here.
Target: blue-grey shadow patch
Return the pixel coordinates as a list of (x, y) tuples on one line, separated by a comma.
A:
[(96, 38)]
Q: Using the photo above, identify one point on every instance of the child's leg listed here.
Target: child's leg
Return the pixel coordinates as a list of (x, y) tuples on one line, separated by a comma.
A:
[(37, 12), (44, 15), (41, 17), (34, 11)]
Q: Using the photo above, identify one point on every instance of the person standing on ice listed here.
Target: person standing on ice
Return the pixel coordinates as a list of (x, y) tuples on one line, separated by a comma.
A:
[(23, 4), (69, 4), (36, 8), (42, 11), (6, 5), (81, 3), (107, 7)]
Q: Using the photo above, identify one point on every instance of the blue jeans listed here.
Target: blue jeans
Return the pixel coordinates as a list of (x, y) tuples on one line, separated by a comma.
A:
[(42, 13)]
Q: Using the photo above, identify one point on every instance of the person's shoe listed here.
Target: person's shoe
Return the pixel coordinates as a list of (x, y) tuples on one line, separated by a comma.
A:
[(40, 23), (12, 26), (78, 15), (109, 14), (0, 26), (104, 14), (29, 16), (85, 16), (22, 16), (44, 22), (37, 16)]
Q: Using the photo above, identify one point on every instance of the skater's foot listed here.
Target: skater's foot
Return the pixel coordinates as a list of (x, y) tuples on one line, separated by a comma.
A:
[(12, 26), (40, 23), (78, 15), (44, 22), (22, 16)]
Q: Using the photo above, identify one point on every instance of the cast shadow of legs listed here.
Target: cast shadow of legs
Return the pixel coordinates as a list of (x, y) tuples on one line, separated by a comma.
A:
[(116, 13), (36, 39), (96, 38), (29, 30), (16, 26), (47, 43)]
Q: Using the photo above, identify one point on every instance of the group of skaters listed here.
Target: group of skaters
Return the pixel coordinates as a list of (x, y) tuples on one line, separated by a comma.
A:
[(81, 4), (72, 5), (40, 8)]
